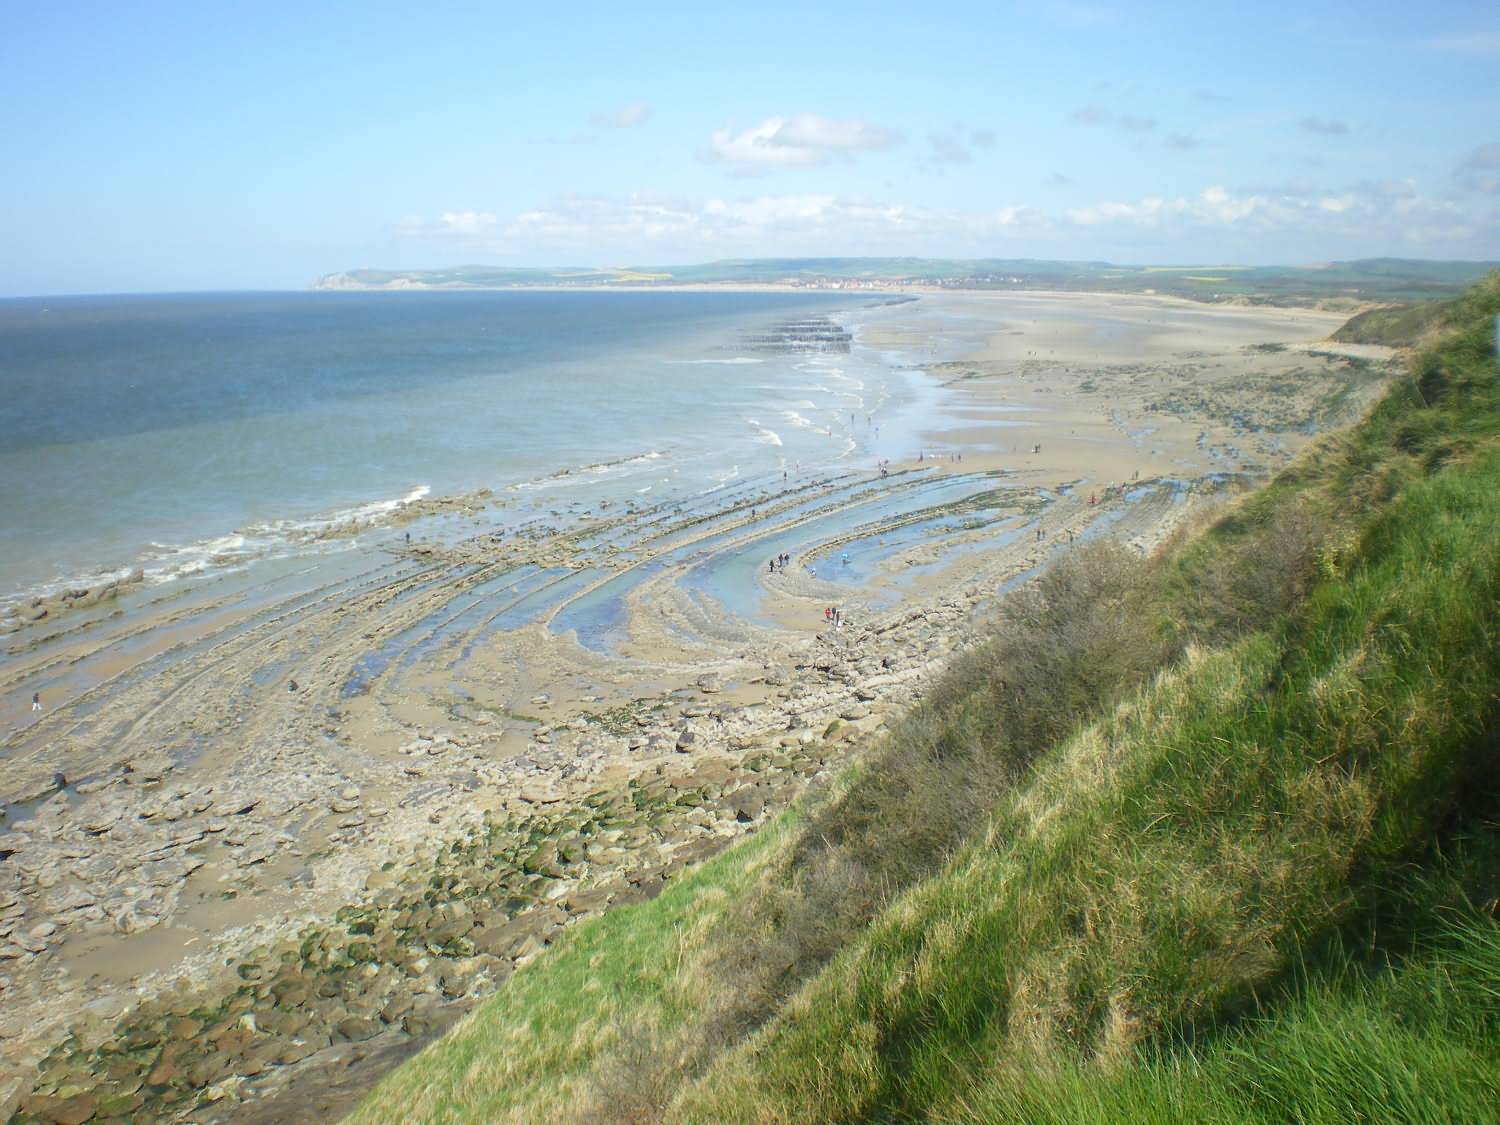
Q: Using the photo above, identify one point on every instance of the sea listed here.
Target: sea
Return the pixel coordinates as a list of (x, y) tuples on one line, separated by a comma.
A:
[(188, 435)]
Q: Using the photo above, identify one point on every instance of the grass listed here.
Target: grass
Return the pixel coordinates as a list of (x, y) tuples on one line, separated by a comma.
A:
[(1416, 1042), (1210, 837), (1401, 326)]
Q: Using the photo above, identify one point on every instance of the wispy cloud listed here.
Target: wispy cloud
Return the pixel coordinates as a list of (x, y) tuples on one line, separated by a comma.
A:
[(982, 138), (626, 117), (644, 225), (1324, 126), (1391, 213), (800, 140), (1374, 216), (1485, 43), (945, 148), (1480, 170), (1098, 115), (1183, 142), (450, 224), (1297, 186)]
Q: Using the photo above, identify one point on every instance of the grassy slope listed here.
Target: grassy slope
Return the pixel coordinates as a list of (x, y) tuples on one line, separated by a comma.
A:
[(1400, 326), (1243, 893)]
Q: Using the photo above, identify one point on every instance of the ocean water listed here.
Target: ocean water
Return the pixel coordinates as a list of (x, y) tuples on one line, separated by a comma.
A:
[(188, 434)]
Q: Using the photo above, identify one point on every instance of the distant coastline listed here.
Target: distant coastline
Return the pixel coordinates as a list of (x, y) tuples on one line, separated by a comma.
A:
[(1329, 284)]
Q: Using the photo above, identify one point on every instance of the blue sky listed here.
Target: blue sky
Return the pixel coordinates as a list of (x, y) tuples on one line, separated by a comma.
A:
[(160, 146)]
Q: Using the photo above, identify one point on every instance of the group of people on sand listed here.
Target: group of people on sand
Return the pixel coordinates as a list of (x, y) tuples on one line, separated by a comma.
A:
[(780, 562), (832, 614)]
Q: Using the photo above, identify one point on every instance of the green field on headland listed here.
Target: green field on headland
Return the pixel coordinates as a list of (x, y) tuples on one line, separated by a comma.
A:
[(1211, 836)]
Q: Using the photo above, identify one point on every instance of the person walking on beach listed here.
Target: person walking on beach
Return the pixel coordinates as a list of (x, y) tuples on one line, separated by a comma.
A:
[(36, 701)]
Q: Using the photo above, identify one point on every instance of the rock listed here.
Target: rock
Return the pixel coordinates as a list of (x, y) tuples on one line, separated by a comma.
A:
[(748, 803), (457, 978), (710, 684), (134, 918), (357, 1029), (539, 793), (687, 741), (586, 902), (105, 1007), (166, 1071), (423, 1017), (287, 1050), (61, 1111)]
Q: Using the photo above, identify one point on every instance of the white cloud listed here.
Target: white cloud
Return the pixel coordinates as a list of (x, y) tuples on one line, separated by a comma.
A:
[(801, 140), (625, 117), (467, 222), (1387, 214), (1287, 223), (647, 227)]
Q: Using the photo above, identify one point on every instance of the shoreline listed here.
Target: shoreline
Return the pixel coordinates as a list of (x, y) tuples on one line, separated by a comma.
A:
[(395, 709)]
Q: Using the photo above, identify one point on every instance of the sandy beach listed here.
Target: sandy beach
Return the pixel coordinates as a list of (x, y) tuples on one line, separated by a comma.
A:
[(279, 785)]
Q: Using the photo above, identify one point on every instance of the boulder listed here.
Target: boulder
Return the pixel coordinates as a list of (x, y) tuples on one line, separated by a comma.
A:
[(61, 1111), (747, 803), (357, 1029)]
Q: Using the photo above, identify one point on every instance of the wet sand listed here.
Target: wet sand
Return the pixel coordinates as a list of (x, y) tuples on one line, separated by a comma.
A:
[(246, 758)]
